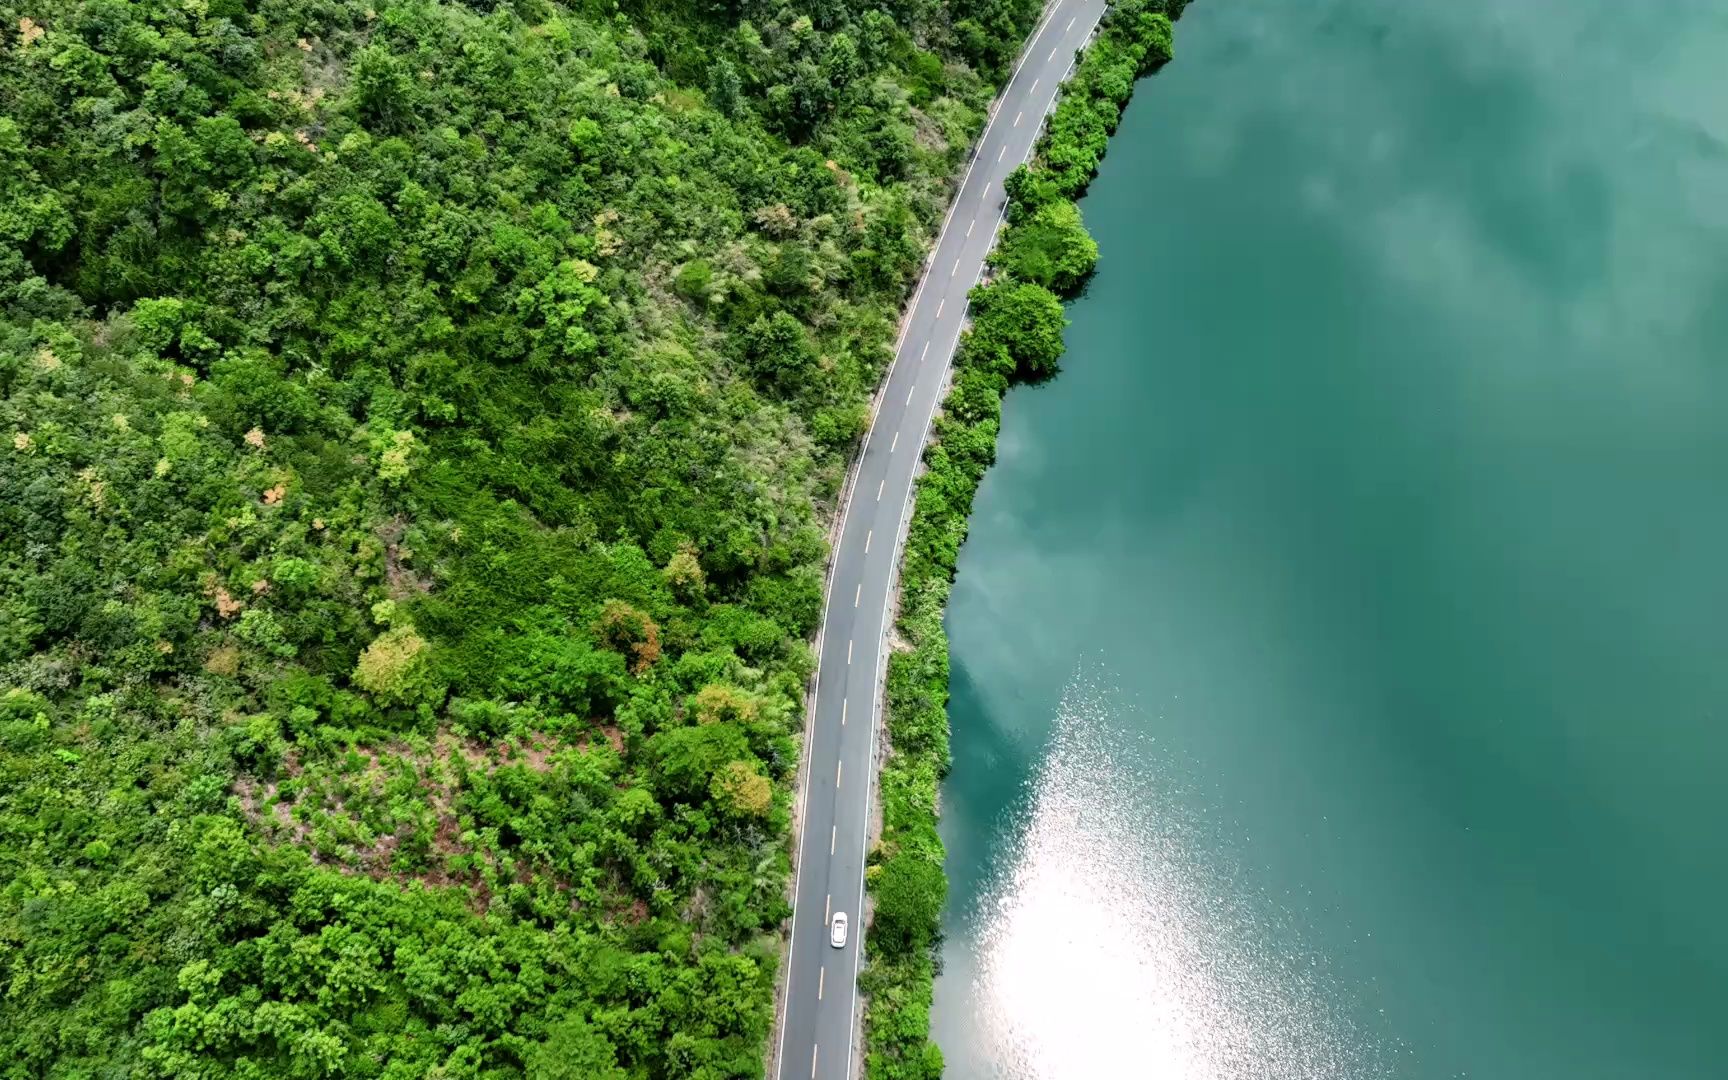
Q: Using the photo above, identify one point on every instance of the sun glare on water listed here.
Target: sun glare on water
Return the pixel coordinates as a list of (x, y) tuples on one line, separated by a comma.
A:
[(1108, 949)]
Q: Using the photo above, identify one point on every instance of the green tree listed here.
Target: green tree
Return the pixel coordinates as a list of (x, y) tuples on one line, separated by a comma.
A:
[(909, 891), (1051, 248), (573, 1050), (725, 87), (1016, 329), (687, 758), (396, 667), (383, 89), (778, 352)]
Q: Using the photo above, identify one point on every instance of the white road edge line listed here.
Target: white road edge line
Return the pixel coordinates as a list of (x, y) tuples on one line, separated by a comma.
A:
[(828, 591), (900, 542), (1002, 214)]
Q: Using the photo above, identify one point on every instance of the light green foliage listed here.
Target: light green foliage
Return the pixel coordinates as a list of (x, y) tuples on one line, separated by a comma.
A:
[(574, 1050), (742, 791), (408, 412), (393, 666), (1016, 333)]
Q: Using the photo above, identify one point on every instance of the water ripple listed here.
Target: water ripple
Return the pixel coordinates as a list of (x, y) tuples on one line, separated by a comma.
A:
[(1112, 944)]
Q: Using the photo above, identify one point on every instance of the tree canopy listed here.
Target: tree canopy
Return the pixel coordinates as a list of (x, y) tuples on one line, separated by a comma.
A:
[(421, 423)]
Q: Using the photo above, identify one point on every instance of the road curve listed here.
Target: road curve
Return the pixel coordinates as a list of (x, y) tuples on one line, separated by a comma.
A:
[(819, 1017)]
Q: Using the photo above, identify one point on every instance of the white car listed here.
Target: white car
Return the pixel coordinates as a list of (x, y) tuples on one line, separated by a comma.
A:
[(837, 930)]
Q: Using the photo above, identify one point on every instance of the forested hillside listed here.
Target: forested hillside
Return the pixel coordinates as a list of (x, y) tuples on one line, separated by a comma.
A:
[(420, 422)]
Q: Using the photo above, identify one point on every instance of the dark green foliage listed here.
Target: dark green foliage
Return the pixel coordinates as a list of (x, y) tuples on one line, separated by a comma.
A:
[(990, 32), (725, 87), (1016, 333), (418, 419), (1016, 329), (778, 353), (909, 891), (1135, 41)]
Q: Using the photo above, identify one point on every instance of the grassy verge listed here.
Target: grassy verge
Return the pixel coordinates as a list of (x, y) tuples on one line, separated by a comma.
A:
[(1043, 255)]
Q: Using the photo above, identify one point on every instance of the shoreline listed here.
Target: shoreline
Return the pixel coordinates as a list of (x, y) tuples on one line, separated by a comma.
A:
[(998, 349), (1031, 90)]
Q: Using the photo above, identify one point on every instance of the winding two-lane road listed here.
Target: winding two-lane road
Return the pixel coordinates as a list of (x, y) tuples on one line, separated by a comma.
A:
[(820, 1013)]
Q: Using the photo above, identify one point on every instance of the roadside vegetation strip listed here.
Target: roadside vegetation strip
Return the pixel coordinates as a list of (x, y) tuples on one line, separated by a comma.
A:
[(1043, 255)]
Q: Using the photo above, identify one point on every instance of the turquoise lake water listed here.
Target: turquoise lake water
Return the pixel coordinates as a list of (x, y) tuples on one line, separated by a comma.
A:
[(1341, 645)]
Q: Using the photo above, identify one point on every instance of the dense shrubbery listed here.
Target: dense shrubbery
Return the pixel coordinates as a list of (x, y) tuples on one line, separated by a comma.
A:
[(416, 419), (1138, 43), (1048, 247), (1016, 334)]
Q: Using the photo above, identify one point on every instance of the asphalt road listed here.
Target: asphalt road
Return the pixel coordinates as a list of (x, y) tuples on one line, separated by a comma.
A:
[(819, 1020)]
